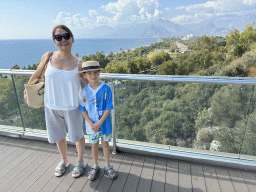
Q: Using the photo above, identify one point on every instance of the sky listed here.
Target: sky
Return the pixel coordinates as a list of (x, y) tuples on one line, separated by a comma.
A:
[(35, 19)]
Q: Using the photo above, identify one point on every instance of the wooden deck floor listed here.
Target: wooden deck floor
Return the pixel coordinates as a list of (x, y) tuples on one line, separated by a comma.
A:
[(28, 165)]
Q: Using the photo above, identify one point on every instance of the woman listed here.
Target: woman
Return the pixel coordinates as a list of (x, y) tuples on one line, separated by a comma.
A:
[(61, 98)]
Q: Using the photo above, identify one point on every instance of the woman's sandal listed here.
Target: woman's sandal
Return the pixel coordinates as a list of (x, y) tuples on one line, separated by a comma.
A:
[(78, 169), (94, 173), (60, 169), (109, 171)]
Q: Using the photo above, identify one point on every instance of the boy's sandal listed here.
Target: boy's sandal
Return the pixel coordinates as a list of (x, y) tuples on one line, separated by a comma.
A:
[(110, 172), (78, 169), (60, 169), (94, 173)]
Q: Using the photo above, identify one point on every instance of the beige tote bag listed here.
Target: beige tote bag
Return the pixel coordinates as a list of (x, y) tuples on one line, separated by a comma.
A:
[(35, 90)]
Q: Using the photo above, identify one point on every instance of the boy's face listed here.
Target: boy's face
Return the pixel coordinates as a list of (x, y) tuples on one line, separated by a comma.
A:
[(92, 76)]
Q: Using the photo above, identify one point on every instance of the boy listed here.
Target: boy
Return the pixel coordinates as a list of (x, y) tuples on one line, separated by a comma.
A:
[(95, 105)]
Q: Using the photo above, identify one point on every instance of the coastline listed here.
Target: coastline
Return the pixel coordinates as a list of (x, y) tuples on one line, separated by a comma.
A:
[(28, 52)]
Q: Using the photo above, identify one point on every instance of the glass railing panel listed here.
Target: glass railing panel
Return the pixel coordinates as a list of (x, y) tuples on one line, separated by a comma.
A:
[(199, 117), (247, 129), (230, 107), (32, 117), (9, 109)]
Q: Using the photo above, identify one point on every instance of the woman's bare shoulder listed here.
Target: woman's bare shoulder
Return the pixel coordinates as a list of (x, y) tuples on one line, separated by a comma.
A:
[(46, 55)]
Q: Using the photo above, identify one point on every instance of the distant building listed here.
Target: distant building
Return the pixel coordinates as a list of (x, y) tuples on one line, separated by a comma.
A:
[(189, 37)]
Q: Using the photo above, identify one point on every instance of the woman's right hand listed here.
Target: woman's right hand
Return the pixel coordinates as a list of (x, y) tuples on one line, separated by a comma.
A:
[(25, 96)]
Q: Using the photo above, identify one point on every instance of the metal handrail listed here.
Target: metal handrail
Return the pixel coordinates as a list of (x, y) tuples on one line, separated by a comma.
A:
[(169, 78)]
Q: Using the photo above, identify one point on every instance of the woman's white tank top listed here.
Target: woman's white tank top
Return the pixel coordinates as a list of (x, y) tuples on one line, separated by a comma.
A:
[(62, 88)]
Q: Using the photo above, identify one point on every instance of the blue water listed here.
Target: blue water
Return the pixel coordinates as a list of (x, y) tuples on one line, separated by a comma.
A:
[(28, 52)]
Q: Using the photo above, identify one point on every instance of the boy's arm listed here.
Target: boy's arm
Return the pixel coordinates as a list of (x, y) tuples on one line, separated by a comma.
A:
[(87, 118), (97, 125)]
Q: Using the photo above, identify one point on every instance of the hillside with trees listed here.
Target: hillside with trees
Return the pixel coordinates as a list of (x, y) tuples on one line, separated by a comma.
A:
[(195, 115)]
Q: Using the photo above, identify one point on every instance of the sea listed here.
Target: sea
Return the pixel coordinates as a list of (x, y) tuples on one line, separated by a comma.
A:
[(28, 52)]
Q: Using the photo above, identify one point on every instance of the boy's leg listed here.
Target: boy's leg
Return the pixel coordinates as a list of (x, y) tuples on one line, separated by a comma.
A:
[(106, 151), (95, 151)]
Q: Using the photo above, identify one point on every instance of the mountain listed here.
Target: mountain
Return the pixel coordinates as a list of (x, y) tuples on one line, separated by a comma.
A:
[(208, 28), (219, 25), (172, 27), (127, 31), (154, 31)]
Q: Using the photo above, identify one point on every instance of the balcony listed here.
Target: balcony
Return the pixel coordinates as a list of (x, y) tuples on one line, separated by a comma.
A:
[(179, 158)]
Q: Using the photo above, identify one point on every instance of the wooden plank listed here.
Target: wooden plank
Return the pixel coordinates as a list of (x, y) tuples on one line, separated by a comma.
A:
[(10, 173), (198, 182), (30, 169), (146, 174), (211, 179), (11, 148), (48, 180), (224, 179), (3, 147), (172, 176), (36, 179), (185, 177), (92, 185), (237, 180), (12, 158), (68, 180), (123, 172), (134, 175), (105, 182), (20, 155), (158, 183), (79, 183), (249, 179)]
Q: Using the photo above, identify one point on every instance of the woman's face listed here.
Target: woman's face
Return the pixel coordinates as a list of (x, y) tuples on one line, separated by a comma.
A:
[(63, 44)]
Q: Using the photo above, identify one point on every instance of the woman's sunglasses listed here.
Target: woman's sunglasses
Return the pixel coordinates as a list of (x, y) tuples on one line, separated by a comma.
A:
[(65, 36)]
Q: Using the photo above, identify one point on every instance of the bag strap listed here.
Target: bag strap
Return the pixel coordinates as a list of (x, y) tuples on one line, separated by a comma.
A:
[(46, 63)]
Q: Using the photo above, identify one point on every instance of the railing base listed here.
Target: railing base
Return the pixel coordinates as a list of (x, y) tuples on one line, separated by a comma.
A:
[(201, 158)]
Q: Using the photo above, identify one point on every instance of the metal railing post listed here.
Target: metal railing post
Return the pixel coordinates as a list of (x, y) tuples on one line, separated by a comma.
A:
[(17, 99), (113, 117)]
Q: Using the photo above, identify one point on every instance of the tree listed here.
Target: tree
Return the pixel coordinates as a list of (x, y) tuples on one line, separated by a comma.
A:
[(249, 131), (248, 36), (229, 105), (116, 68), (143, 64), (16, 67), (131, 66), (203, 119), (233, 37), (103, 60), (168, 68), (159, 58), (205, 43)]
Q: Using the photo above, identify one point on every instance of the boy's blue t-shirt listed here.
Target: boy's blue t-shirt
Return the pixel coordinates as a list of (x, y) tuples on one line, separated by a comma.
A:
[(95, 102)]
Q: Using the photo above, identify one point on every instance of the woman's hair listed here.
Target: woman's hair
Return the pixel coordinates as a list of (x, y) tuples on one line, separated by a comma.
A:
[(62, 27)]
